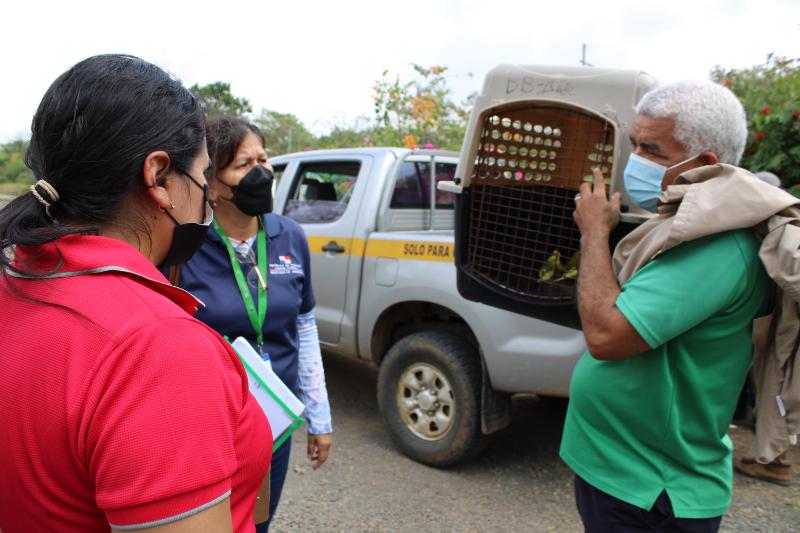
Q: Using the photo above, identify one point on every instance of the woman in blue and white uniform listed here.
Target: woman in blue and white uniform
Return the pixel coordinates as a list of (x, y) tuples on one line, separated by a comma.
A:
[(253, 273)]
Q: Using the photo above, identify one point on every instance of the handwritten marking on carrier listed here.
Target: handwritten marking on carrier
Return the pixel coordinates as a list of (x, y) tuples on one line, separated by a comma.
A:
[(528, 85)]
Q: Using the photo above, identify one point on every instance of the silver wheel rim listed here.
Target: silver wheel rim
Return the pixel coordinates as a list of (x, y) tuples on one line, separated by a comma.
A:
[(425, 401)]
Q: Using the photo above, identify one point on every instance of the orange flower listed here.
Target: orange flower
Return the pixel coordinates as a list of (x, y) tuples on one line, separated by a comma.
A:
[(410, 141), (765, 110), (420, 107)]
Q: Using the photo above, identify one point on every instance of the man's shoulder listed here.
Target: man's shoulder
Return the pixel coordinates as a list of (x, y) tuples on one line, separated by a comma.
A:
[(738, 242), (729, 255), (742, 237), (747, 242), (730, 258)]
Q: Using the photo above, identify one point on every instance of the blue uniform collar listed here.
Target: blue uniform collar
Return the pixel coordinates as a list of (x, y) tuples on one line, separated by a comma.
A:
[(273, 224)]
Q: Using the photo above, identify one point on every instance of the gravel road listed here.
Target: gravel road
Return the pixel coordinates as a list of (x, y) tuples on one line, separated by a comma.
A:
[(517, 484)]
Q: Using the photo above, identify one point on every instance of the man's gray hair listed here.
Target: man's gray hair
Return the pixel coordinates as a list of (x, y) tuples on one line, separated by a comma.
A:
[(769, 177), (708, 117)]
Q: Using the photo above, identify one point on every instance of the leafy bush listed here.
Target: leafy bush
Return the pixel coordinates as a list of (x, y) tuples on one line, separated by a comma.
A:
[(770, 94), (419, 113), (217, 100), (12, 163)]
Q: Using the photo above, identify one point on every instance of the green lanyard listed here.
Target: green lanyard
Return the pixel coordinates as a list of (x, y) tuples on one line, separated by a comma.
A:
[(256, 319)]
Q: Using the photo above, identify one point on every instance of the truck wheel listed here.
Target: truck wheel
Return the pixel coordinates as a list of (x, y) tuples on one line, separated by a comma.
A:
[(429, 390)]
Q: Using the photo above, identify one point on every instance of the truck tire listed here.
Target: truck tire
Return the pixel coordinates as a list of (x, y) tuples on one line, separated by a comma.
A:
[(429, 391)]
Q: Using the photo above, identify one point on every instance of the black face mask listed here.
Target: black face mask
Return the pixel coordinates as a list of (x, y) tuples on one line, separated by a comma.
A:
[(188, 238), (253, 195)]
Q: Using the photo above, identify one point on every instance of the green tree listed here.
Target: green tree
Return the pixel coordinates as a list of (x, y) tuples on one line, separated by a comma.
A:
[(346, 137), (416, 113), (419, 112), (770, 94), (12, 163), (284, 132), (217, 100)]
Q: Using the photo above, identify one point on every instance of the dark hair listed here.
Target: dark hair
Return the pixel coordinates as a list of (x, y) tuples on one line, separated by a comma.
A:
[(93, 129), (223, 136)]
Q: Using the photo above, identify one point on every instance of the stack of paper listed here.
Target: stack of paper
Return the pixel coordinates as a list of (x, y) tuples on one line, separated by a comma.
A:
[(284, 411)]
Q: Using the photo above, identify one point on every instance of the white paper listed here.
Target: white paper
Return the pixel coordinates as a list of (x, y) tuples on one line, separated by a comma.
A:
[(279, 419)]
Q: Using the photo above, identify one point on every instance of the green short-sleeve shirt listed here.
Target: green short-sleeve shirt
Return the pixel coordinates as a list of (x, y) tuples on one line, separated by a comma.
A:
[(658, 421)]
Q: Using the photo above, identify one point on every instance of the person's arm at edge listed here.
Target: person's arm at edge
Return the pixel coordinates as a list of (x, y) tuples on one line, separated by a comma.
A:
[(313, 390), (609, 335)]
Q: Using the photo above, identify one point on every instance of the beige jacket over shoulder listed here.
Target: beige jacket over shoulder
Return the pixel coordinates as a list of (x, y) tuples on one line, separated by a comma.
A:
[(718, 198)]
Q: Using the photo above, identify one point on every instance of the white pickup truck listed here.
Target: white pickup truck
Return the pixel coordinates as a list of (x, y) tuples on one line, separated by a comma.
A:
[(382, 253)]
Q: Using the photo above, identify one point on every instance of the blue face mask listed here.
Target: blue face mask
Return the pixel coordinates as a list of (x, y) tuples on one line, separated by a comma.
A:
[(643, 180)]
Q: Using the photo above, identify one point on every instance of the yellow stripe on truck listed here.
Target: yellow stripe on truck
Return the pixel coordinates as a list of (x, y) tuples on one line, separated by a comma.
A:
[(393, 249), (418, 250)]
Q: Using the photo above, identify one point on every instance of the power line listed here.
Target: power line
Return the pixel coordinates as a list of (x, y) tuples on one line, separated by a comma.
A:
[(583, 57)]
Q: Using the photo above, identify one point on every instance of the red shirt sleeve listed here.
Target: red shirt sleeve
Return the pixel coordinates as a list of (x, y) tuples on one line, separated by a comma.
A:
[(160, 421)]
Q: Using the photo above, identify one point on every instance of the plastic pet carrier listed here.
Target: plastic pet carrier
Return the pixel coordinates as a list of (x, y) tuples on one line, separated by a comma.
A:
[(535, 134)]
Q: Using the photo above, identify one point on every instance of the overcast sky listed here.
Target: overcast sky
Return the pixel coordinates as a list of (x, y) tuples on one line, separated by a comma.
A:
[(319, 60)]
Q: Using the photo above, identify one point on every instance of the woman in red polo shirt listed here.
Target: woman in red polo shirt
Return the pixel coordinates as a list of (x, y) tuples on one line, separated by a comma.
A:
[(119, 410)]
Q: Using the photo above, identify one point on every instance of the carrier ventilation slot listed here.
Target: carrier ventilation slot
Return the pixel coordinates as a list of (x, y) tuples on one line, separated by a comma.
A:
[(529, 165)]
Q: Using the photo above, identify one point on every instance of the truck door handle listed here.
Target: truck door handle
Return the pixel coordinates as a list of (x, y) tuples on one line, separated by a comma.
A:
[(333, 247)]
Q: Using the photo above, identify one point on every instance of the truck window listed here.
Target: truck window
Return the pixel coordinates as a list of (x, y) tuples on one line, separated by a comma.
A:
[(412, 190), (277, 171), (445, 172), (322, 191)]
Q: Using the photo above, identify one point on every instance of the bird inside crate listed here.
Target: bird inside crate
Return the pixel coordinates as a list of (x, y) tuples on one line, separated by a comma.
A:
[(535, 134)]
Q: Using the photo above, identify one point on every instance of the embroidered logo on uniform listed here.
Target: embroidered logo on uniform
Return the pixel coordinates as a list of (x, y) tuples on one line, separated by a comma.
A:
[(286, 265)]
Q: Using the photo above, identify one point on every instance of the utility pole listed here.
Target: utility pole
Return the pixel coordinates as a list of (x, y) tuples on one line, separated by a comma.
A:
[(583, 57)]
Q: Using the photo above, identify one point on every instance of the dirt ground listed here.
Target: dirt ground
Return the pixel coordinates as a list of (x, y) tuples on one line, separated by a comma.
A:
[(517, 484)]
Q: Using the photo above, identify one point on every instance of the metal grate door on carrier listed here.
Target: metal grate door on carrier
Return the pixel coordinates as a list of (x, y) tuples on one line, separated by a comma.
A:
[(523, 161)]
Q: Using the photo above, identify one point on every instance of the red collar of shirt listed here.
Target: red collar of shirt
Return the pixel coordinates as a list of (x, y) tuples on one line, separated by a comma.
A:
[(92, 254)]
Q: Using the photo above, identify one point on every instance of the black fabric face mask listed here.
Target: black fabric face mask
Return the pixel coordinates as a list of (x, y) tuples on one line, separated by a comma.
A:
[(188, 238), (253, 195)]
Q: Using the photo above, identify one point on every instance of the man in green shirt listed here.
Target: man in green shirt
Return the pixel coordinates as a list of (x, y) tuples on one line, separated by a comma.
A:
[(670, 347)]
